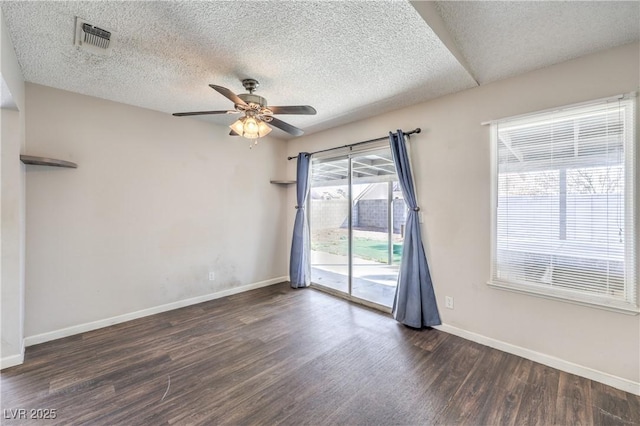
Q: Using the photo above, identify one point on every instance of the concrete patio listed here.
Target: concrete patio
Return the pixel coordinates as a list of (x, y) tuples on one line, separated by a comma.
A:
[(372, 281)]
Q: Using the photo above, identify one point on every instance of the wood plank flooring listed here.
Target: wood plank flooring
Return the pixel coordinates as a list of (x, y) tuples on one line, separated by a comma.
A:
[(277, 355)]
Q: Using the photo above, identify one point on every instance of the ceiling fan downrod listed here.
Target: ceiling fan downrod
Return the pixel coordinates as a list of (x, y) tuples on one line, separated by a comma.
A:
[(250, 84)]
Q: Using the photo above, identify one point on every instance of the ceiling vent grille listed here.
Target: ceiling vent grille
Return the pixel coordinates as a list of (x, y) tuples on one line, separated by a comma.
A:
[(92, 38)]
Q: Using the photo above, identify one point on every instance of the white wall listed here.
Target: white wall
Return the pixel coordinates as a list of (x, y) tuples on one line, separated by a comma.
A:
[(12, 211), (451, 162), (155, 204)]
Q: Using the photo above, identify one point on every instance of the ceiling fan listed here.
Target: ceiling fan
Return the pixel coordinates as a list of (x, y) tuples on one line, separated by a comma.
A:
[(256, 113)]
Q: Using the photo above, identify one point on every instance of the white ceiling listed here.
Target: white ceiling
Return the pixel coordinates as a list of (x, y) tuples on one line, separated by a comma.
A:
[(348, 59), (503, 39)]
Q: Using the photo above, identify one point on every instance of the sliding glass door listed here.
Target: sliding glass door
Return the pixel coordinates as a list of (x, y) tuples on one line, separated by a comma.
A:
[(357, 223), (329, 223)]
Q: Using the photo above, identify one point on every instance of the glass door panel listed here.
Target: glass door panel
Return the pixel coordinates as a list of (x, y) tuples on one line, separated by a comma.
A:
[(377, 218), (329, 223)]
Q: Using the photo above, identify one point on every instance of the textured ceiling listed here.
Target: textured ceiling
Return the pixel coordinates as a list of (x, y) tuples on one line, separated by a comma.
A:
[(503, 39), (348, 59)]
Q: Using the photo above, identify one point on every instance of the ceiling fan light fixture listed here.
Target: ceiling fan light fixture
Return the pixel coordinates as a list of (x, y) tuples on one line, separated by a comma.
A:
[(250, 127), (263, 128)]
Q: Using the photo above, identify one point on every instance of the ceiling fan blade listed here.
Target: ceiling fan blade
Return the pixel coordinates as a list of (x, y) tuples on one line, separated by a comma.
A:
[(228, 94), (183, 114), (233, 133), (296, 109), (286, 127)]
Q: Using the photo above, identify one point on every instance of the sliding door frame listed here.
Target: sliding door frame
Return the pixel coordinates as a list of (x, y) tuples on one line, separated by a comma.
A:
[(349, 296)]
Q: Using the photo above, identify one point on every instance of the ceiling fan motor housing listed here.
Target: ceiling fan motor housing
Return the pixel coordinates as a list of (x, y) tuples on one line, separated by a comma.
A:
[(253, 99)]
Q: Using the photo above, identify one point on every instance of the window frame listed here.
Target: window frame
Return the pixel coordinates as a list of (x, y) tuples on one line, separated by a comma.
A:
[(630, 217)]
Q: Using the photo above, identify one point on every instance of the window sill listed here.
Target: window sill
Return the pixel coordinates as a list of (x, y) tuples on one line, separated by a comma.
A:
[(563, 296)]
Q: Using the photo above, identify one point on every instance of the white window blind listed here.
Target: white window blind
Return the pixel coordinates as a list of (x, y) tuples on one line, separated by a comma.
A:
[(564, 204)]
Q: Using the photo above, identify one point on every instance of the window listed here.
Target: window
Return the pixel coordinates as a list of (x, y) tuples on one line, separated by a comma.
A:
[(563, 215)]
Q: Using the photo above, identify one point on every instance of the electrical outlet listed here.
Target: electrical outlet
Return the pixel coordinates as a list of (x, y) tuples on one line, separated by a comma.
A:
[(212, 276), (448, 302)]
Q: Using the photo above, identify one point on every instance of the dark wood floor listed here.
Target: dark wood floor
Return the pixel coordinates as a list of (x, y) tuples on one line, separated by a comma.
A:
[(276, 355)]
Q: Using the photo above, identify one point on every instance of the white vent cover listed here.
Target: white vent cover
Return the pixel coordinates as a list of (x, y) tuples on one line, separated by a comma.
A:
[(91, 38)]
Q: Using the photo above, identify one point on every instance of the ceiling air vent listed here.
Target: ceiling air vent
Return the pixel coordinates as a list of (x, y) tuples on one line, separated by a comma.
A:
[(92, 38)]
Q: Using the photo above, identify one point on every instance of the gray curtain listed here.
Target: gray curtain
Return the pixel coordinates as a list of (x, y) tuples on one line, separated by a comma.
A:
[(415, 303), (300, 263)]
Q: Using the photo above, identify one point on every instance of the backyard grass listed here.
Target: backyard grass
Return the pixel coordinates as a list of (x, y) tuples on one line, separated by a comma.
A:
[(363, 248)]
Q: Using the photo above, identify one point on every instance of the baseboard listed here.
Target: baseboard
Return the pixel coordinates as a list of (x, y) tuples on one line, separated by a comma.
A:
[(94, 325), (11, 361), (551, 361)]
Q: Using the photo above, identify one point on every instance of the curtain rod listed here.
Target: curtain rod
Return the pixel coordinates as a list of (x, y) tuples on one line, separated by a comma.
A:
[(417, 130)]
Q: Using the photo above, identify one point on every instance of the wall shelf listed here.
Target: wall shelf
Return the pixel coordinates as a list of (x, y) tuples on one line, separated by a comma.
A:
[(44, 161), (282, 182)]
